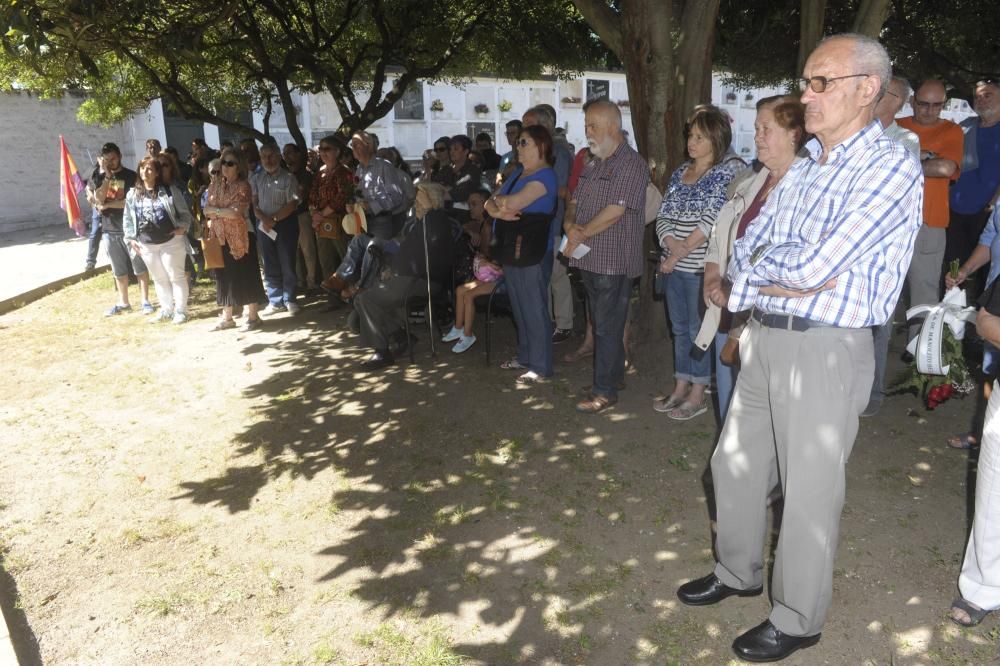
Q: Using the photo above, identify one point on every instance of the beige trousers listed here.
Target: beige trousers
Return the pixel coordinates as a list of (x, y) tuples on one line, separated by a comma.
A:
[(793, 419)]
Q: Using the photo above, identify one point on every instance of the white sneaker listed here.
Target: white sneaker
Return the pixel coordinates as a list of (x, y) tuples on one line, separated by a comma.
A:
[(180, 318), (272, 309), (452, 335), (161, 316), (464, 344)]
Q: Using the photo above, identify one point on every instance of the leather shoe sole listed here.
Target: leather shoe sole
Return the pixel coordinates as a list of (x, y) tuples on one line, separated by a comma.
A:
[(766, 643), (710, 590)]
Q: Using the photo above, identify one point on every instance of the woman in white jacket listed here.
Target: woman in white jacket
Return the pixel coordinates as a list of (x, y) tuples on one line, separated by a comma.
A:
[(779, 133), (156, 219)]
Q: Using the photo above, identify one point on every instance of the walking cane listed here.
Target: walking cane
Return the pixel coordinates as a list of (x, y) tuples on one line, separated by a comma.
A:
[(427, 279)]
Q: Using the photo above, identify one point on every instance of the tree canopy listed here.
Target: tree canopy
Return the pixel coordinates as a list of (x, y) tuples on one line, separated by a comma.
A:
[(204, 59)]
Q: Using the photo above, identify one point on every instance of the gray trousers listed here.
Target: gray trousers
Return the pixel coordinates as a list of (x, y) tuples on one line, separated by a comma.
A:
[(308, 272), (380, 309), (562, 295), (793, 419), (924, 276)]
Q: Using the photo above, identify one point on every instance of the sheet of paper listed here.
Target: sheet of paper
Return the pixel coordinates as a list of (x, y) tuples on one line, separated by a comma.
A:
[(579, 253), (272, 234)]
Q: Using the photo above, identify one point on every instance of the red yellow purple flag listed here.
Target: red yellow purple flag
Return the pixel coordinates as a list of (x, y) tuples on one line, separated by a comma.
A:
[(70, 185)]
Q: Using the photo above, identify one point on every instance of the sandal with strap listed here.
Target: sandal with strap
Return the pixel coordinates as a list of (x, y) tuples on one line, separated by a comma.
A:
[(963, 441), (593, 404), (688, 410), (512, 364), (667, 403), (974, 614)]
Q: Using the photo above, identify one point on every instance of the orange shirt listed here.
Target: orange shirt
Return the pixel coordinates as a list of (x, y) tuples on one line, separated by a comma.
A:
[(944, 139)]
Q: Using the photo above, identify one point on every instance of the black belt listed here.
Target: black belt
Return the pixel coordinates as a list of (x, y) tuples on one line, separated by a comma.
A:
[(785, 322)]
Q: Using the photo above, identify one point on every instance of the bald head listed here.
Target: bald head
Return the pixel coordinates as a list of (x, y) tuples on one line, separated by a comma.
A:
[(928, 102)]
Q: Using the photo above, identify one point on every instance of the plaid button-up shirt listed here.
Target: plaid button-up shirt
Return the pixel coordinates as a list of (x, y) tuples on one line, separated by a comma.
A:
[(853, 218), (618, 180)]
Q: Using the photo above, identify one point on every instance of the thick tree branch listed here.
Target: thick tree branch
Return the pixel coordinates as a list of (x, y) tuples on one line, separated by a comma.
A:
[(606, 22)]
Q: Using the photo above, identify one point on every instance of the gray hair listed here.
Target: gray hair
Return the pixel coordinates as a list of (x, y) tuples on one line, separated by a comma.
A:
[(434, 191), (870, 57), (608, 109), (270, 148), (907, 91), (544, 115)]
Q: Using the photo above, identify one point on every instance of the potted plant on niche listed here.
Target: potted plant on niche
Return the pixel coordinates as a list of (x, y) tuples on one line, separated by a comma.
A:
[(505, 106), (482, 110), (437, 106), (623, 103), (569, 101)]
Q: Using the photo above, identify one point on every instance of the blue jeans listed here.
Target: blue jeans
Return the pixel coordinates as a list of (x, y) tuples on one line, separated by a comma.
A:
[(683, 309), (608, 298), (529, 299), (94, 239), (279, 261), (725, 377)]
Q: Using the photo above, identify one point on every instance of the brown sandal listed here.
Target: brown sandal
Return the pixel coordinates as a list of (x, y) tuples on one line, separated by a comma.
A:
[(595, 403)]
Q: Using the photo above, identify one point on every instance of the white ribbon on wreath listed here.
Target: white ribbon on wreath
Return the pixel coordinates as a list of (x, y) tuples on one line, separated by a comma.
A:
[(926, 347)]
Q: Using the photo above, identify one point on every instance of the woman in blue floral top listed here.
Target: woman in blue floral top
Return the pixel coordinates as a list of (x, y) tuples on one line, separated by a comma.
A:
[(696, 192)]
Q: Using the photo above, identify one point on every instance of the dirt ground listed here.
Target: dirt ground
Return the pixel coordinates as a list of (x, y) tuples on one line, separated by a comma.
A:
[(174, 496)]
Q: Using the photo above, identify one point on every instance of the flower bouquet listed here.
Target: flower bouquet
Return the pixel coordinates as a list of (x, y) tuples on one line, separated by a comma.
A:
[(939, 370)]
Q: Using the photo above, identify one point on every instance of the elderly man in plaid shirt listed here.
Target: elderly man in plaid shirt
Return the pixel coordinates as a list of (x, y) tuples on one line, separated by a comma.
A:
[(823, 262), (606, 215)]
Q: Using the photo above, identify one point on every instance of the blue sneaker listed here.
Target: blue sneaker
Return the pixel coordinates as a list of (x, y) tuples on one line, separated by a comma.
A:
[(117, 310), (464, 343), (452, 335), (147, 308)]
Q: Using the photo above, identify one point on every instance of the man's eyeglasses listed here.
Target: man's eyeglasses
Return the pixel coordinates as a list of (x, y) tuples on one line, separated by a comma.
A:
[(228, 163), (819, 84), (923, 104)]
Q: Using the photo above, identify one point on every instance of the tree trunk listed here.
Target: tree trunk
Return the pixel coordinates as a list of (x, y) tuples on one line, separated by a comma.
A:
[(812, 16), (666, 79), (871, 17)]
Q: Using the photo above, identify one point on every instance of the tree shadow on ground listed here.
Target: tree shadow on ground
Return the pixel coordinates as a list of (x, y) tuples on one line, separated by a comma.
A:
[(479, 496), (542, 534)]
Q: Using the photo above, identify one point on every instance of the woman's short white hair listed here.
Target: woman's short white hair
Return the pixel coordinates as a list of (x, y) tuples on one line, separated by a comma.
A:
[(434, 192)]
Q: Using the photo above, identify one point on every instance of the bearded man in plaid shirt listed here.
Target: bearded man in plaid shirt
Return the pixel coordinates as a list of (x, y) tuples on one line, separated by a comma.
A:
[(822, 263)]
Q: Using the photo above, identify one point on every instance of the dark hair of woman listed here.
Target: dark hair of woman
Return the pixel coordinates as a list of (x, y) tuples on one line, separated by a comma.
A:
[(543, 139)]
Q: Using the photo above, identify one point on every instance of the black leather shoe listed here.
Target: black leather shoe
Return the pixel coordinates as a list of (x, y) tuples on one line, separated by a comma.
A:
[(710, 590), (377, 361), (765, 642)]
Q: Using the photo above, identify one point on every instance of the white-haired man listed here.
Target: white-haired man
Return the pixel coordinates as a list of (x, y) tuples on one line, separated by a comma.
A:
[(822, 264), (607, 215)]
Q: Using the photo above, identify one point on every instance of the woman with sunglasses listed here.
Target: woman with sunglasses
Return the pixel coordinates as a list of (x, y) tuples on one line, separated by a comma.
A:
[(238, 282), (156, 217), (328, 196), (523, 210)]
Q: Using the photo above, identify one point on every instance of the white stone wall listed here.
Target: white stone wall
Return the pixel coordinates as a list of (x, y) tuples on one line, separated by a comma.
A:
[(29, 144)]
